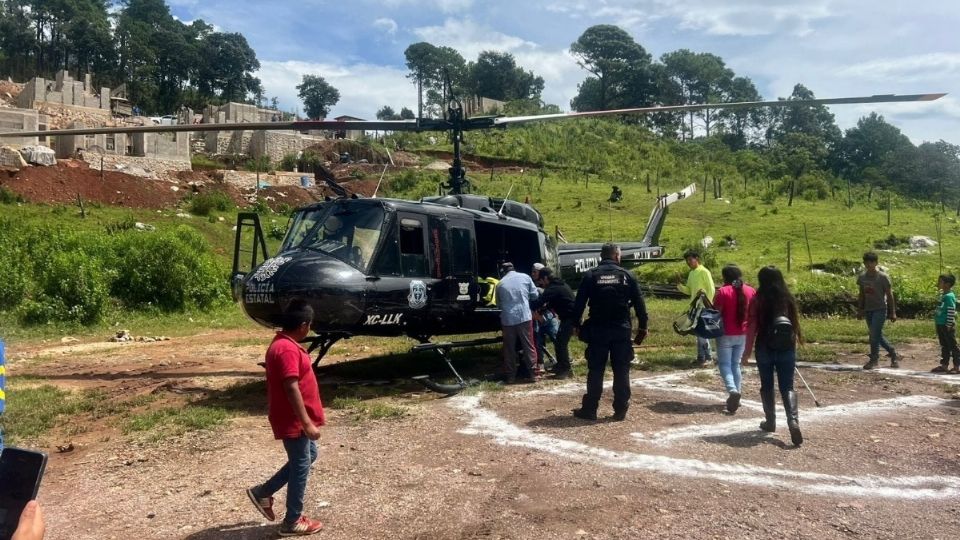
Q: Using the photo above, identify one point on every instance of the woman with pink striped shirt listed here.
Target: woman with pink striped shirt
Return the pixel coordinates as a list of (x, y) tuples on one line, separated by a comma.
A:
[(732, 301)]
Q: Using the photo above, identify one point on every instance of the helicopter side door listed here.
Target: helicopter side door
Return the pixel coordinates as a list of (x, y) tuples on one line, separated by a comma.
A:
[(403, 281), (460, 281)]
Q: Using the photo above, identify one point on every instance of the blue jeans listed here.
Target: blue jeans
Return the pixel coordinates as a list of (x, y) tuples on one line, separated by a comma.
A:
[(301, 453), (875, 320), (547, 329), (780, 362), (729, 352)]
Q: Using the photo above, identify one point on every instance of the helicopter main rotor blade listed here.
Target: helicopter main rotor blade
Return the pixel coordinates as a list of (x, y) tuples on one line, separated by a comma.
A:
[(469, 124), (883, 98), (425, 124)]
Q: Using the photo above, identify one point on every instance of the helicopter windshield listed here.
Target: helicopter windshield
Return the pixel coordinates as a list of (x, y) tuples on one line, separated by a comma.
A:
[(349, 234)]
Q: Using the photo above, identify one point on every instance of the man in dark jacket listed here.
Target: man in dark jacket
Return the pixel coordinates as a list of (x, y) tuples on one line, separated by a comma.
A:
[(611, 291), (557, 296)]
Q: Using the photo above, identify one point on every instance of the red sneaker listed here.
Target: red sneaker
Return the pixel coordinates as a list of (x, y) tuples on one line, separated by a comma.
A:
[(263, 504), (304, 526)]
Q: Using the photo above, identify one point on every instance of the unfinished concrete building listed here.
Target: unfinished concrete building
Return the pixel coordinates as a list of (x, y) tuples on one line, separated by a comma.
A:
[(273, 144), (63, 90), (170, 146), (22, 120)]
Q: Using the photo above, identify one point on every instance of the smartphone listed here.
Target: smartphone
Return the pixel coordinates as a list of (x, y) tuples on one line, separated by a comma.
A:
[(20, 474)]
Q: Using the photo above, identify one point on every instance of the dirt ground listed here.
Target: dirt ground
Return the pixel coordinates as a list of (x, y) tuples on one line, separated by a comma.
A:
[(881, 457)]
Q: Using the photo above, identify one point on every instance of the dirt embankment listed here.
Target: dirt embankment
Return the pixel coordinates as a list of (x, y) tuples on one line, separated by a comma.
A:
[(62, 183)]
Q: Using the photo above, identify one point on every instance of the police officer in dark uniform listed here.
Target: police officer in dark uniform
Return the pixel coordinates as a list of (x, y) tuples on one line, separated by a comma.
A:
[(611, 291)]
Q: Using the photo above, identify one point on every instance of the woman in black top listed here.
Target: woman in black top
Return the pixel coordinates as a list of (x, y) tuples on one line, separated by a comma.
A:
[(773, 331)]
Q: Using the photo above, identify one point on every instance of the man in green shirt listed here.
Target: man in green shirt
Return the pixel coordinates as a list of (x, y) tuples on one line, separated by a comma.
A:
[(699, 279)]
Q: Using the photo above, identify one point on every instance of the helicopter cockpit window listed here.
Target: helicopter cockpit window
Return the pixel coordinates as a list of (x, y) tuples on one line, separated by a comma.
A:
[(347, 234), (303, 223)]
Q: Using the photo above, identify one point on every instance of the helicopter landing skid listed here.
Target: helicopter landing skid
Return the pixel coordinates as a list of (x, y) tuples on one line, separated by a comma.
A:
[(443, 349), (324, 342)]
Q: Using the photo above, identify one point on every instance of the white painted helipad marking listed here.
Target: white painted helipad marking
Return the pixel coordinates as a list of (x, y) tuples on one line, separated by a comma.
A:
[(808, 416), (668, 382), (899, 372), (486, 422), (577, 386)]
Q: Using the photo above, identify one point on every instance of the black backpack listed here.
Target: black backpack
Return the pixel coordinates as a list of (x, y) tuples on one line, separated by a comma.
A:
[(780, 336)]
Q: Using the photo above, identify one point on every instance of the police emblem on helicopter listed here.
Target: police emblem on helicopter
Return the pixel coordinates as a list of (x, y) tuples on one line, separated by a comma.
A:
[(270, 267), (418, 294), (464, 292)]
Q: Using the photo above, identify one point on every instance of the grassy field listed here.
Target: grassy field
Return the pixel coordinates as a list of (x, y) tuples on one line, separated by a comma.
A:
[(760, 228)]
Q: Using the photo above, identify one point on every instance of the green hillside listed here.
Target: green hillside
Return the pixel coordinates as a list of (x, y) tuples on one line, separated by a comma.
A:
[(63, 272)]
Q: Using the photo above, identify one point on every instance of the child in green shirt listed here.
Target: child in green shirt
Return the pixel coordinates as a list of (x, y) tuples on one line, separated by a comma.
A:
[(946, 326)]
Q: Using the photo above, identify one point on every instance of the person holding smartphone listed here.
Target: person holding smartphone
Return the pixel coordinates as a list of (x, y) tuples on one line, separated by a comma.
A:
[(295, 413), (31, 525)]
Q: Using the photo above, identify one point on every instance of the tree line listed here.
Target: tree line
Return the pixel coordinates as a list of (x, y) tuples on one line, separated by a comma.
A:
[(802, 145), (164, 62)]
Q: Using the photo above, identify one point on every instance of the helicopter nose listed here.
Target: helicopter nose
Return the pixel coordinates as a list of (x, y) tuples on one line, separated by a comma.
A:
[(332, 287)]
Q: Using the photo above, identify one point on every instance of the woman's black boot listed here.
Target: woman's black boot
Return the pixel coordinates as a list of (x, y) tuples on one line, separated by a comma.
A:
[(769, 410), (793, 420)]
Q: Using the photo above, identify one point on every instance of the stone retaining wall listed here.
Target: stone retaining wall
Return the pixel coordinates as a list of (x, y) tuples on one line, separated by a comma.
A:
[(153, 168)]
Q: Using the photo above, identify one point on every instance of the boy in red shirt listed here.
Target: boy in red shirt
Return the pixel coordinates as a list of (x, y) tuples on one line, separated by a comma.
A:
[(295, 414)]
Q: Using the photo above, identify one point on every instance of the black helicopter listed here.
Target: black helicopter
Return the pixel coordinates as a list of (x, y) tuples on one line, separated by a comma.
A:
[(387, 267)]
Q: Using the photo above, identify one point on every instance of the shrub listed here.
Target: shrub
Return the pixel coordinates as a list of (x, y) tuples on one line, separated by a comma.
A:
[(277, 232), (260, 207), (891, 242), (403, 182), (14, 280), (202, 162), (169, 270), (261, 164), (125, 224), (204, 203), (9, 197), (73, 286), (287, 162), (839, 267)]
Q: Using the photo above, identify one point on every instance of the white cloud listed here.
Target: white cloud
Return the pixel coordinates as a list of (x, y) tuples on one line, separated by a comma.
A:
[(445, 6), (916, 68), (557, 67), (364, 88), (470, 38), (743, 18), (386, 24)]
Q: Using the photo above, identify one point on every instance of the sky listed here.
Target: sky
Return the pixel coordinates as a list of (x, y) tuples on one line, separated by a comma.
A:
[(836, 48)]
